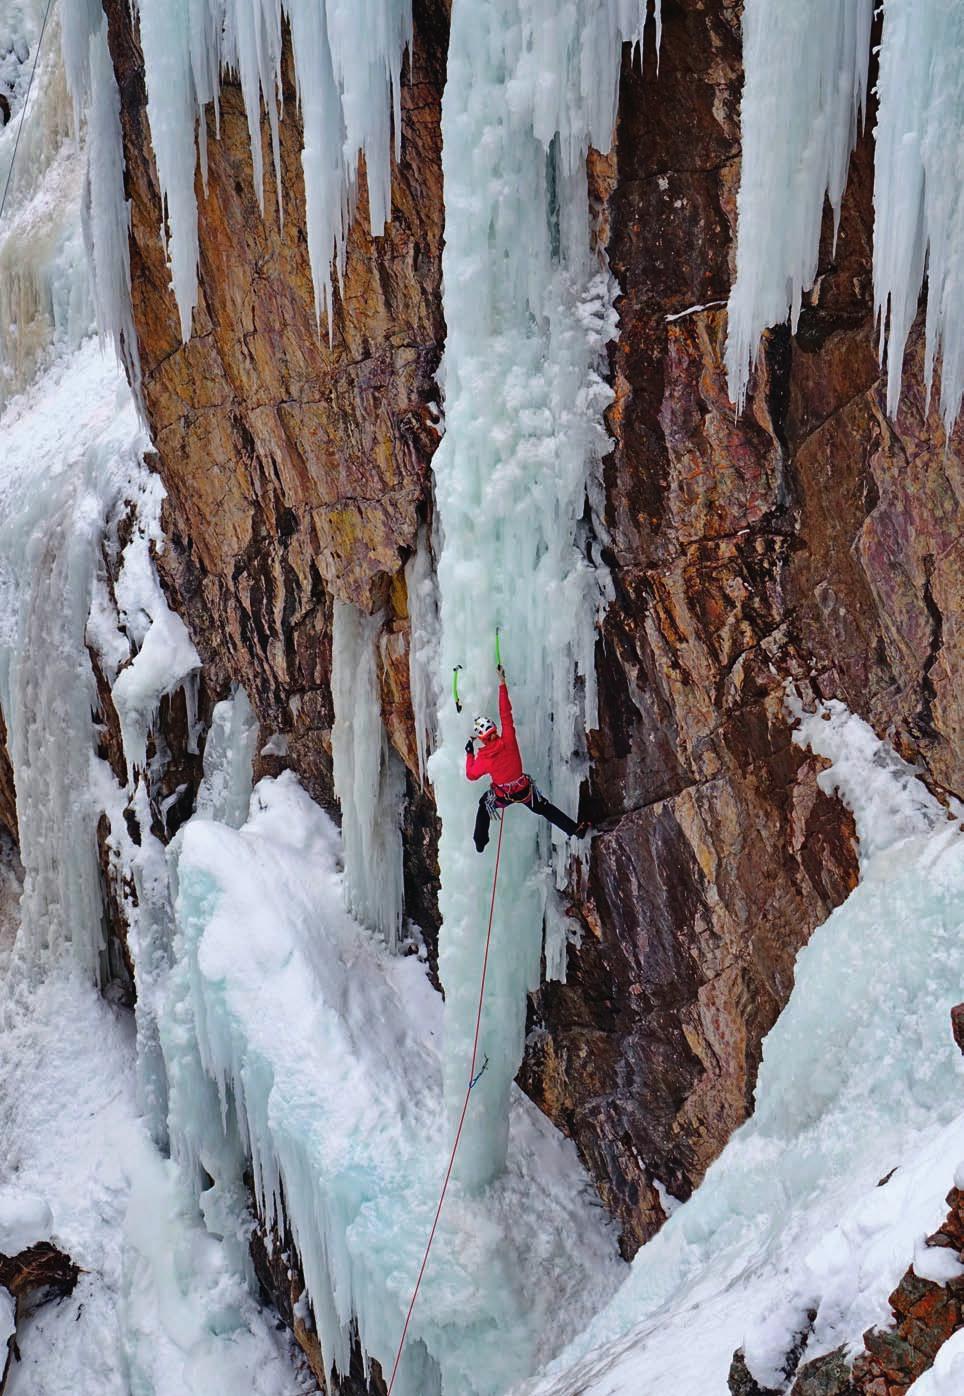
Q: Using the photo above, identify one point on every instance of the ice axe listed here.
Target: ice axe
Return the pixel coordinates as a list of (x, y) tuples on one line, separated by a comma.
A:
[(455, 688)]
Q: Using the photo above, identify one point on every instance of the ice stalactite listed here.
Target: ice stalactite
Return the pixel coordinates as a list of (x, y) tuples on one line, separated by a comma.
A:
[(422, 591), (369, 776), (529, 310), (229, 752), (919, 191), (347, 60), (804, 93)]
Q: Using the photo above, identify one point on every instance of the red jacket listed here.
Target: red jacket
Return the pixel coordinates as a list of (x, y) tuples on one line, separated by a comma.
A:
[(499, 756)]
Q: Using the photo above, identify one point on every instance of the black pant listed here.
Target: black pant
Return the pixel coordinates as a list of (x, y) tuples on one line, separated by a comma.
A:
[(537, 804)]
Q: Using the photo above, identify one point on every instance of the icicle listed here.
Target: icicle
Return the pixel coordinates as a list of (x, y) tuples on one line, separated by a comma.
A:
[(805, 90), (348, 60), (108, 212), (422, 590), (919, 191), (369, 777), (228, 756), (172, 110)]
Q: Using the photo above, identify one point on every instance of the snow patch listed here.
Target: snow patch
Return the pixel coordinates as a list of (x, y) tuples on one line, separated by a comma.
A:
[(25, 1219)]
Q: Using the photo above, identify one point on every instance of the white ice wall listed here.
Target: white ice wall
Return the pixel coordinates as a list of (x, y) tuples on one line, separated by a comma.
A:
[(529, 310)]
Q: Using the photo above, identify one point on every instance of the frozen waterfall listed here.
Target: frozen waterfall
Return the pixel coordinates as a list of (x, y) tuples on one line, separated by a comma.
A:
[(529, 310)]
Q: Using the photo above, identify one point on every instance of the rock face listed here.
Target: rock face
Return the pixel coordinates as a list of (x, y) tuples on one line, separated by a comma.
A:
[(809, 540), (296, 469), (8, 792)]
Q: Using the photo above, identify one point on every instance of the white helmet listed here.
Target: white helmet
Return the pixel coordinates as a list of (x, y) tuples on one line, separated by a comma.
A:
[(482, 726)]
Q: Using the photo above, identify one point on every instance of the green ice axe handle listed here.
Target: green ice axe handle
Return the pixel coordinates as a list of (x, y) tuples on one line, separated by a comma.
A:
[(498, 646), (455, 687)]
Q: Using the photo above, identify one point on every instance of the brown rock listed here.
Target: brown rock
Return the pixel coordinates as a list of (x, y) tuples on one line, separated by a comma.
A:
[(296, 468), (34, 1277), (39, 1273), (718, 853), (957, 1024), (8, 791), (828, 1375)]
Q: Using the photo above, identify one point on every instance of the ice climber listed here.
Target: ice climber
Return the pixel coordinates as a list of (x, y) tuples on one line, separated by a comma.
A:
[(499, 757)]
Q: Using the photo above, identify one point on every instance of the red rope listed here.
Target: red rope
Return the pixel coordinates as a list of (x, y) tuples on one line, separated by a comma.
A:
[(465, 1110)]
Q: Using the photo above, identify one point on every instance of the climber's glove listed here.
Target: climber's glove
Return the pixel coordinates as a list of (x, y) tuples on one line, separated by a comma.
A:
[(469, 747)]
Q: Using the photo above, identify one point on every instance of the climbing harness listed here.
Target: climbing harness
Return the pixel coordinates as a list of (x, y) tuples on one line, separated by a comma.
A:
[(474, 1077), (523, 791), (514, 792), (26, 103)]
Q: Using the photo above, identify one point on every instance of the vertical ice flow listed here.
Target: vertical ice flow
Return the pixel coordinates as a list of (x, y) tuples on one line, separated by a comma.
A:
[(529, 311), (69, 458), (919, 190), (369, 776), (805, 89), (347, 62), (45, 301)]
